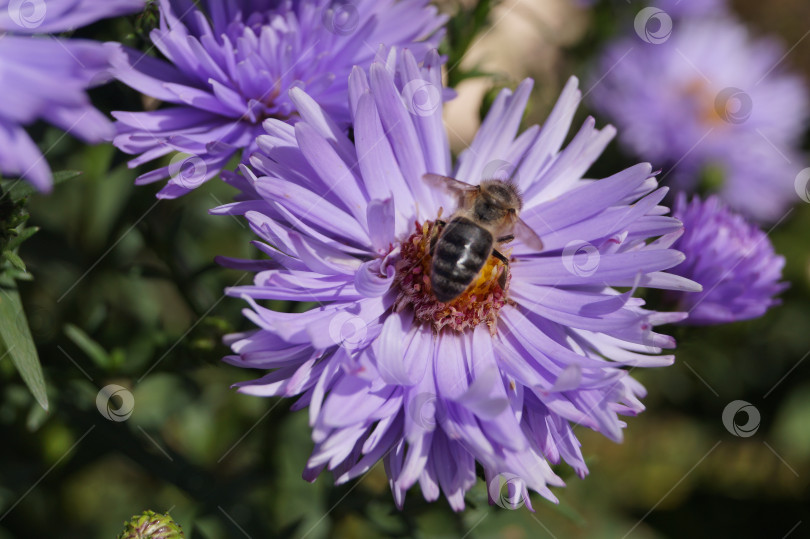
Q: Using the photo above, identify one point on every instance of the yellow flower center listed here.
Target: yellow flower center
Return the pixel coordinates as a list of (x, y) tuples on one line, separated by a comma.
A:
[(701, 94), (479, 303)]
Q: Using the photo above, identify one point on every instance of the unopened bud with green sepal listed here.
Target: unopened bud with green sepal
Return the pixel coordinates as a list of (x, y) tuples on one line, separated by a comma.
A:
[(151, 525)]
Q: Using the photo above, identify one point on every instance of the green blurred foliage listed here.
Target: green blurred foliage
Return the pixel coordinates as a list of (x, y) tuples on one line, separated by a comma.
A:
[(125, 293)]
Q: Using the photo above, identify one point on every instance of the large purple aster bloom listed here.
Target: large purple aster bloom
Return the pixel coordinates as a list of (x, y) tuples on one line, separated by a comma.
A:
[(707, 97), (29, 66), (499, 376), (231, 65), (733, 260)]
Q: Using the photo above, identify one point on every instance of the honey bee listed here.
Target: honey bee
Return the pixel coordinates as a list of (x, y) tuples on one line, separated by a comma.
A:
[(487, 216)]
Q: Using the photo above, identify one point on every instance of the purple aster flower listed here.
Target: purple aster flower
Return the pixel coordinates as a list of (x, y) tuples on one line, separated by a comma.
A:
[(498, 376), (732, 259), (28, 68), (707, 96), (53, 16), (692, 8), (231, 66), (675, 8)]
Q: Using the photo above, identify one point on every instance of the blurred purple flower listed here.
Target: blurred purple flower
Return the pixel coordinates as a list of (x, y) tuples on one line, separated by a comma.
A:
[(231, 65), (709, 96), (692, 8), (498, 377), (675, 8), (45, 78), (54, 16), (733, 260)]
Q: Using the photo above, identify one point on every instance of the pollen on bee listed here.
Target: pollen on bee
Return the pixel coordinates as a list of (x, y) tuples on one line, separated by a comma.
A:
[(480, 303)]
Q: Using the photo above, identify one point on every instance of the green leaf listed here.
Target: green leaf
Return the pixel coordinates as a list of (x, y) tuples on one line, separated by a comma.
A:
[(90, 347), (19, 190), (19, 275), (16, 341), (15, 260), (23, 235), (65, 175), (462, 29)]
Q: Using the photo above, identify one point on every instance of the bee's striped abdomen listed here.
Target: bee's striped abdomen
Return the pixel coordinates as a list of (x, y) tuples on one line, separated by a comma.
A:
[(462, 250)]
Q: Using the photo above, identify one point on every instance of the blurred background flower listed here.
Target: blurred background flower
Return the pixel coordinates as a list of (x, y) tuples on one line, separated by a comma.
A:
[(733, 260), (30, 17), (45, 78), (230, 65), (685, 8), (713, 106)]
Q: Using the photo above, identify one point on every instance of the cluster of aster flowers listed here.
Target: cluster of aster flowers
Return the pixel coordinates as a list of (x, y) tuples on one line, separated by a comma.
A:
[(702, 98), (500, 376), (334, 111), (30, 62)]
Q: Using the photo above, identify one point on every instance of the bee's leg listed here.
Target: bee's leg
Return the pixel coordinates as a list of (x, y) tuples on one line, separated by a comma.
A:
[(503, 275), (500, 257), (506, 239), (435, 235)]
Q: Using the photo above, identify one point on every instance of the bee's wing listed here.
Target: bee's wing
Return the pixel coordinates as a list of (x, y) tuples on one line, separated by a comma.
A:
[(452, 185), (526, 234)]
